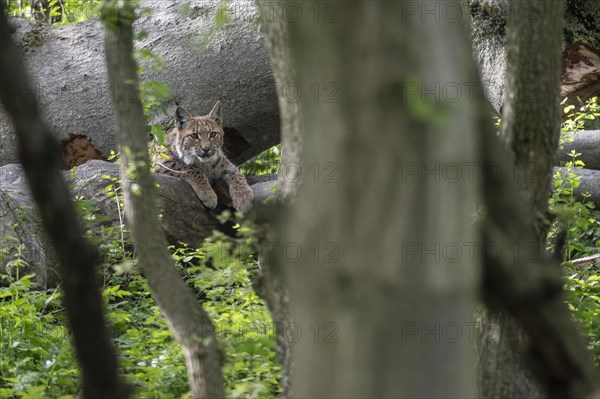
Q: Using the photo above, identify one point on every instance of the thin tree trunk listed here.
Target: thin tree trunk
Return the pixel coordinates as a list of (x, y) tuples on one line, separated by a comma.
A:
[(39, 154), (185, 316), (382, 310), (531, 128), (531, 114)]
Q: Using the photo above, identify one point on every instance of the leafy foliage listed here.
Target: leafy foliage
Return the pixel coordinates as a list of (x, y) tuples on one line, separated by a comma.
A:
[(265, 162), (223, 271), (585, 118), (63, 12), (36, 359), (573, 215), (583, 298), (579, 219), (577, 11)]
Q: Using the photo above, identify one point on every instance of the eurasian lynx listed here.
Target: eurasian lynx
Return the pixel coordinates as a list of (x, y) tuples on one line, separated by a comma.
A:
[(196, 157)]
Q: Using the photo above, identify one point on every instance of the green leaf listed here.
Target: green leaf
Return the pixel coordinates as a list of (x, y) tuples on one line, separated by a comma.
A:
[(222, 15), (184, 9)]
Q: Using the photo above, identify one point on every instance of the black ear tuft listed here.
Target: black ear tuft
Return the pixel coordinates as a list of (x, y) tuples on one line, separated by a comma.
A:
[(215, 114), (182, 117)]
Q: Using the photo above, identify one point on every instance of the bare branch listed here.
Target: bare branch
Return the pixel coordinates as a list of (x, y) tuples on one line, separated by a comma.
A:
[(185, 316)]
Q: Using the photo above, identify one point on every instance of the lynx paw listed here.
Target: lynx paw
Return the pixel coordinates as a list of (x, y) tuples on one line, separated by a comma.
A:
[(242, 199), (209, 199)]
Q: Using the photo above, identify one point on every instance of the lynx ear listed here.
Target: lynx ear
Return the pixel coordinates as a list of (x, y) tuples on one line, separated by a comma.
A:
[(182, 117), (215, 114)]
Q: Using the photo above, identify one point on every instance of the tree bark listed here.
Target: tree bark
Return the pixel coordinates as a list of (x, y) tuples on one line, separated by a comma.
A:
[(185, 316), (374, 306), (531, 128), (531, 115), (388, 278), (39, 154)]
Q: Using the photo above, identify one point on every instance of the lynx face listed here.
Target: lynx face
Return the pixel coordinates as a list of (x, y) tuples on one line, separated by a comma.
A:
[(197, 140)]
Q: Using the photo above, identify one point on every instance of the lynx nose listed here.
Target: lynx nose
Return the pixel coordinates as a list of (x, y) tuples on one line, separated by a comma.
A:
[(204, 150)]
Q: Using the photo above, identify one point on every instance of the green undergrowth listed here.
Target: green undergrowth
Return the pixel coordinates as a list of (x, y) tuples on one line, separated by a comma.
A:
[(36, 357), (578, 218)]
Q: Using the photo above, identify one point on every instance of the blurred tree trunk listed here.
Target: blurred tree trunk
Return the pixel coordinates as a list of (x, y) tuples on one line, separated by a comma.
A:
[(78, 260), (382, 308), (531, 128), (275, 29), (185, 316), (271, 287)]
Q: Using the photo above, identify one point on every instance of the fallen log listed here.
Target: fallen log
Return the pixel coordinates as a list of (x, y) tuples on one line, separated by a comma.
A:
[(585, 263), (202, 63), (587, 143), (589, 183), (184, 218)]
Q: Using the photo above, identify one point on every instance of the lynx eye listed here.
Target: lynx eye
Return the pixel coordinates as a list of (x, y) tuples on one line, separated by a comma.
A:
[(194, 136), (213, 135)]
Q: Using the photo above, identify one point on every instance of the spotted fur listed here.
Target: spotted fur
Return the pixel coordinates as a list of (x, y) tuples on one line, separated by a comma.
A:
[(196, 156)]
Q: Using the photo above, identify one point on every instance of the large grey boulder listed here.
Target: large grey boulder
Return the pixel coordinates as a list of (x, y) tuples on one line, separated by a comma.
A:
[(203, 63), (184, 219)]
